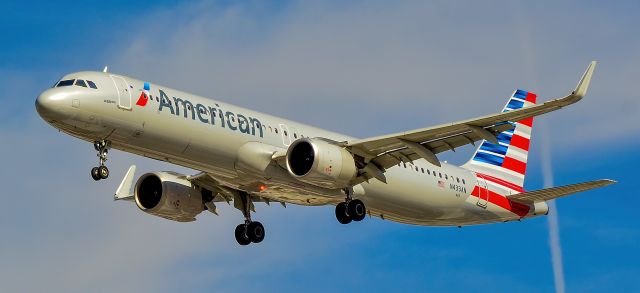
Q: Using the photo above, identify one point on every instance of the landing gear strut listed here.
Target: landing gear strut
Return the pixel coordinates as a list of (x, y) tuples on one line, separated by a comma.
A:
[(350, 210), (250, 231), (101, 172)]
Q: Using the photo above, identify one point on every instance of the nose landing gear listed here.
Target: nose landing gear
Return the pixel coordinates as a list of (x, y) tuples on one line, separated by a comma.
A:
[(101, 172)]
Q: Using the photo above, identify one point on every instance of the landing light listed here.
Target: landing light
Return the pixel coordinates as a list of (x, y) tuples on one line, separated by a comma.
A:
[(262, 187)]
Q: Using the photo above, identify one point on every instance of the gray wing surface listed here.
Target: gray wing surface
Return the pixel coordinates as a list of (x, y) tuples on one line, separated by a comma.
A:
[(388, 150), (560, 191)]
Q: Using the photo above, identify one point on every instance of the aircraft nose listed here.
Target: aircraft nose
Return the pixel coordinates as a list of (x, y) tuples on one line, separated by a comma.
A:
[(51, 105)]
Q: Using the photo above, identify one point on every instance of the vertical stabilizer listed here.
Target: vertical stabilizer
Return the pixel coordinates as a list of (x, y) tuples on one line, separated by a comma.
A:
[(505, 163)]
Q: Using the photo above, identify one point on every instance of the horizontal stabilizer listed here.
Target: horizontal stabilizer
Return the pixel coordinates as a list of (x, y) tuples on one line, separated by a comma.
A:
[(560, 191), (124, 190)]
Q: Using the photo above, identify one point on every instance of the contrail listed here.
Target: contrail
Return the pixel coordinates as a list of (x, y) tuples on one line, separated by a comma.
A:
[(552, 219), (547, 169)]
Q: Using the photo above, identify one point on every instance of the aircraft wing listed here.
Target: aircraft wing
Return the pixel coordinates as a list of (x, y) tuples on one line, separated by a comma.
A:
[(219, 192), (388, 150), (560, 191), (223, 193)]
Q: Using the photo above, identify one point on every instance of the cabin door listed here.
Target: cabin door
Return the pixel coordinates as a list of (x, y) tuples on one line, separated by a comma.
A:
[(483, 193), (286, 135), (124, 92)]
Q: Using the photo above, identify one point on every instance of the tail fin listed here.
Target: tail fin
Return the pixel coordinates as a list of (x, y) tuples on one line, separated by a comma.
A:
[(507, 161)]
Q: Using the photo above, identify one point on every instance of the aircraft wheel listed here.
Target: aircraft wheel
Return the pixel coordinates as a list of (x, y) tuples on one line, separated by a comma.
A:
[(341, 213), (103, 171), (241, 235), (95, 174), (356, 210), (255, 232)]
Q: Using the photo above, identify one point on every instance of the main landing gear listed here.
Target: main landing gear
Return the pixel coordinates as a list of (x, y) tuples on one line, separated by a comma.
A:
[(350, 210), (101, 172), (250, 231)]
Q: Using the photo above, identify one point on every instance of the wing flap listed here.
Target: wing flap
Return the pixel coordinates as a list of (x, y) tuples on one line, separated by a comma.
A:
[(560, 191), (223, 193), (401, 149)]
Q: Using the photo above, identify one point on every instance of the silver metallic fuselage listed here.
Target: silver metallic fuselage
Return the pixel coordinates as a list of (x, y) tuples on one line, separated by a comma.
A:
[(184, 138)]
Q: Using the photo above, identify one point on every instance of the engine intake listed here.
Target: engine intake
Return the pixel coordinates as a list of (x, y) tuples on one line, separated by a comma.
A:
[(168, 195), (321, 163), (149, 192)]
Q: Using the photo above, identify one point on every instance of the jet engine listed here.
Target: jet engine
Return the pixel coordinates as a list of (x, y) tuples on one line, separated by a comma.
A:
[(321, 163), (168, 195)]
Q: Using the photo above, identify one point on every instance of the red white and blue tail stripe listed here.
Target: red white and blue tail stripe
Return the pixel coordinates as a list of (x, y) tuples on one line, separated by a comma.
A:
[(504, 165)]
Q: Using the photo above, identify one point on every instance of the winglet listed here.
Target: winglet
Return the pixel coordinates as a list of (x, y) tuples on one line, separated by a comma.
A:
[(583, 85), (124, 190)]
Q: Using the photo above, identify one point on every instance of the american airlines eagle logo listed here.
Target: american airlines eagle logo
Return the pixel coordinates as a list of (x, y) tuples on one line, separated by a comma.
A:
[(144, 95)]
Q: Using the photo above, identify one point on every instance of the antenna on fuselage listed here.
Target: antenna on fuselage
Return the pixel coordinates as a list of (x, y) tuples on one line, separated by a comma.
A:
[(105, 68)]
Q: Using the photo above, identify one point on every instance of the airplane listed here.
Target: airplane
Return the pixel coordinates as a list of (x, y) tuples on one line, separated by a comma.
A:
[(246, 157)]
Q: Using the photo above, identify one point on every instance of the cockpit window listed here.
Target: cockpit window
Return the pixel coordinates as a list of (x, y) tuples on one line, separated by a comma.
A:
[(92, 85), (67, 82), (81, 83)]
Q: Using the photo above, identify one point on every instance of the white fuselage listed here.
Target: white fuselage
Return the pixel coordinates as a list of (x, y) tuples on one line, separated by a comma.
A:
[(207, 135)]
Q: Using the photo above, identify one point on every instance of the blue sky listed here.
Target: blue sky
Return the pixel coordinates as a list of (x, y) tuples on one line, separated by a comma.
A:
[(362, 68)]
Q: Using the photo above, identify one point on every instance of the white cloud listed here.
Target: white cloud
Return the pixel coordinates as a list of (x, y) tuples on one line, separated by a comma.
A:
[(373, 68)]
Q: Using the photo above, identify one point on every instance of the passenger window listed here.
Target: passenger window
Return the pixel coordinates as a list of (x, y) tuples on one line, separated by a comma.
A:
[(295, 135), (416, 169), (404, 164), (440, 174), (428, 172), (285, 133), (446, 176), (67, 82), (458, 179), (463, 182), (92, 85), (422, 170), (276, 130)]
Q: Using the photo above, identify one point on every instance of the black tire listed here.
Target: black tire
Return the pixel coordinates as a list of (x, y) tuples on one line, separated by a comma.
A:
[(255, 232), (356, 210), (241, 235), (103, 171), (95, 174), (341, 214)]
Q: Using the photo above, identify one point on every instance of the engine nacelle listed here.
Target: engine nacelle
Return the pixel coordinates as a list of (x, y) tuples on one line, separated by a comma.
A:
[(321, 163), (168, 195)]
